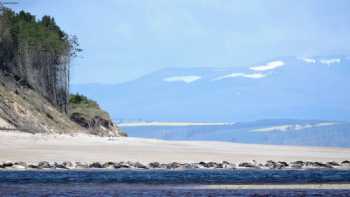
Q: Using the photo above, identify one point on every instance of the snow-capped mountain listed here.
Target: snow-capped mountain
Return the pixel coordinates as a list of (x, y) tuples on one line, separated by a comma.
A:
[(289, 87)]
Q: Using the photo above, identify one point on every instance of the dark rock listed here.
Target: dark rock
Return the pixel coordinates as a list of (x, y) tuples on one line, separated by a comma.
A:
[(96, 125)]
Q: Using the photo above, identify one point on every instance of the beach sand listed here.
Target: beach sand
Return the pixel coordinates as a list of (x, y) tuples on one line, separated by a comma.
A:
[(19, 146)]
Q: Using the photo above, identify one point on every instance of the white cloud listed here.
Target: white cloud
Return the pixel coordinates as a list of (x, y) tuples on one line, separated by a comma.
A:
[(330, 61), (233, 75), (186, 79), (309, 60), (268, 66)]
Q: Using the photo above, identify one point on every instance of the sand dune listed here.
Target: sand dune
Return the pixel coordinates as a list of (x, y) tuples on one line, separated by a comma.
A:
[(18, 146)]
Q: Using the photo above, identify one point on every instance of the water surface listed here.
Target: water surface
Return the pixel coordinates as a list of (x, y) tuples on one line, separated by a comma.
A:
[(167, 182)]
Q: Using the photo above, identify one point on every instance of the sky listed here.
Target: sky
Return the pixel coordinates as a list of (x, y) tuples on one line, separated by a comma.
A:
[(125, 39)]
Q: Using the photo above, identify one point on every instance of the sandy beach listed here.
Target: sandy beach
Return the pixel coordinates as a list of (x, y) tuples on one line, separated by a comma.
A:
[(19, 146)]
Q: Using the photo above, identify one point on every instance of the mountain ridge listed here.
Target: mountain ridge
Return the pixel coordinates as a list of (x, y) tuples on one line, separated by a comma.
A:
[(285, 87)]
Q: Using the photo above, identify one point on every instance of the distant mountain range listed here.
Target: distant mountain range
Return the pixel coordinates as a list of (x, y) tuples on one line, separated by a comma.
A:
[(281, 88)]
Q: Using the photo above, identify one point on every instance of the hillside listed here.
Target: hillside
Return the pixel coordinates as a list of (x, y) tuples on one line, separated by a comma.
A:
[(280, 88), (35, 59), (22, 108)]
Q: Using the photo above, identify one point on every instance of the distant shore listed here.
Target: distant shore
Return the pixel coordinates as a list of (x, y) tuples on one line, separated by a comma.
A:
[(175, 124)]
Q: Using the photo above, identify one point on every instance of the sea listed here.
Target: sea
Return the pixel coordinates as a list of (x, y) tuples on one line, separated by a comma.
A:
[(130, 183)]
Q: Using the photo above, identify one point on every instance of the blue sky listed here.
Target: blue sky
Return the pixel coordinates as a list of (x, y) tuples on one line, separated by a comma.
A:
[(124, 39)]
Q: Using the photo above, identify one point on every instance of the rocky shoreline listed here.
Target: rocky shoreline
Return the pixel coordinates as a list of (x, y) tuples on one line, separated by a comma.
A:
[(268, 165)]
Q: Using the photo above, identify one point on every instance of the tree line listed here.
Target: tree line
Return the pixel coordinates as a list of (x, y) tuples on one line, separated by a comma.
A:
[(39, 52)]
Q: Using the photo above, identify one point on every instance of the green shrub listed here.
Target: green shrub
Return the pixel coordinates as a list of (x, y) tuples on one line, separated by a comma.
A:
[(81, 104)]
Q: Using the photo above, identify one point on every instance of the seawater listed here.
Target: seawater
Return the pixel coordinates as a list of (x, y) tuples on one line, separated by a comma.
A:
[(165, 182)]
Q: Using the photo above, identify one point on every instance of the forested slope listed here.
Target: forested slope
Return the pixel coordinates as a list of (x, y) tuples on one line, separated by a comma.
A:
[(35, 58)]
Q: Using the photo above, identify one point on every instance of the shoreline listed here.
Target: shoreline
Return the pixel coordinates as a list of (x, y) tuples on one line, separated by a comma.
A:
[(175, 124)]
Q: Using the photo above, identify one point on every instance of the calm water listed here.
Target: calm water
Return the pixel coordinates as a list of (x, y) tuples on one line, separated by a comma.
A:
[(164, 182), (335, 136)]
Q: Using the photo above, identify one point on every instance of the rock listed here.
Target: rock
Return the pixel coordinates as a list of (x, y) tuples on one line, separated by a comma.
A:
[(95, 165), (44, 164), (154, 165), (97, 125)]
